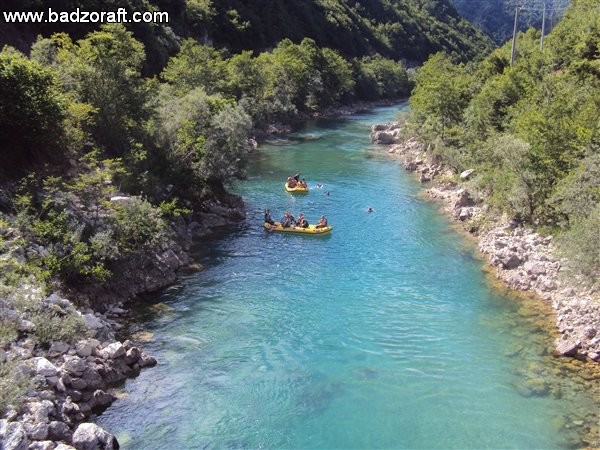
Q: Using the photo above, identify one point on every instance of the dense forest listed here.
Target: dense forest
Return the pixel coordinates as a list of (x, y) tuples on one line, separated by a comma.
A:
[(531, 130), (408, 30), (496, 17)]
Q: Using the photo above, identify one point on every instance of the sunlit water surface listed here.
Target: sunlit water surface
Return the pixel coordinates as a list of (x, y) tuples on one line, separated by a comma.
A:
[(383, 334)]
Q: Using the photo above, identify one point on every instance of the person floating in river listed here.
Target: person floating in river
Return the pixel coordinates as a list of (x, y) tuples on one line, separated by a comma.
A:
[(370, 209), (322, 223)]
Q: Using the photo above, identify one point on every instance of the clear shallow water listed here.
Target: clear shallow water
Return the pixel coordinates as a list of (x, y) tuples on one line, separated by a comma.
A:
[(383, 334)]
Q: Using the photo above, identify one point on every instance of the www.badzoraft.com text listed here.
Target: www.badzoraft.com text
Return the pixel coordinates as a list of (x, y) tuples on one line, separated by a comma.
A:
[(79, 16)]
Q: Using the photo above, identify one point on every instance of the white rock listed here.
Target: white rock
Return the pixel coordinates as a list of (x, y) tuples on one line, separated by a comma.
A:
[(42, 445), (120, 199), (53, 298), (38, 432), (548, 284), (41, 410), (466, 174), (114, 350), (535, 268), (74, 365), (567, 347), (14, 436), (58, 348), (118, 311), (465, 213), (26, 326), (511, 261), (84, 348), (90, 436), (45, 367), (92, 322)]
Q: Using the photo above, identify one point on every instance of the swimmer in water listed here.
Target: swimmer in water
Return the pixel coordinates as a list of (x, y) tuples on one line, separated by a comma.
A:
[(370, 209)]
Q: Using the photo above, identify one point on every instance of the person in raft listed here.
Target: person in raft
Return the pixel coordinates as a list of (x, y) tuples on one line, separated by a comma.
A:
[(301, 222), (303, 183), (322, 223), (297, 177), (268, 218), (287, 220), (292, 182)]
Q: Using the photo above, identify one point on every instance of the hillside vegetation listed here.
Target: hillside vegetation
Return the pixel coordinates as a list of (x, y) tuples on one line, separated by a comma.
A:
[(410, 30), (531, 131)]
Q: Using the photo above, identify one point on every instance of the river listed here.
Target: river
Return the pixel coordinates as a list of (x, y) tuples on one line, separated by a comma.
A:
[(383, 334)]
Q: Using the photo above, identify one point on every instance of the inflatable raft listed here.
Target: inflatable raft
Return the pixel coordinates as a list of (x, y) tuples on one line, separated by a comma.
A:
[(312, 229), (298, 189)]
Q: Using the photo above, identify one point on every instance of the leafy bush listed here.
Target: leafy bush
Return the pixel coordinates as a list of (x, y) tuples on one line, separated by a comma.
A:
[(576, 195), (581, 243), (9, 331), (54, 326), (13, 385), (172, 208), (139, 225)]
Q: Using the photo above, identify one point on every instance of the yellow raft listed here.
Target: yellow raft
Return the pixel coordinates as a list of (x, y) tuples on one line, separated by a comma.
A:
[(298, 189), (312, 229)]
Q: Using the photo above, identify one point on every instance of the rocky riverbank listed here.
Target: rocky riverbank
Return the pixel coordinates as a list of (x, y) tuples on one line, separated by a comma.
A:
[(64, 384), (523, 259)]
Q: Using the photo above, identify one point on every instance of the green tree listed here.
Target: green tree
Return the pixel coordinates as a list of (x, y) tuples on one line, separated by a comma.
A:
[(32, 111), (378, 78), (104, 71), (197, 66), (576, 195), (510, 177), (559, 119), (488, 109), (440, 95), (226, 145), (580, 244), (204, 138)]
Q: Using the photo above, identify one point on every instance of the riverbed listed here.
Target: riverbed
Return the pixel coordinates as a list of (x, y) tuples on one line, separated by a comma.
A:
[(384, 333)]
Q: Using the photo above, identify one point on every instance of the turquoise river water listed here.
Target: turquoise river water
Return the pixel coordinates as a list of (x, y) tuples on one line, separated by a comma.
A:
[(383, 334)]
